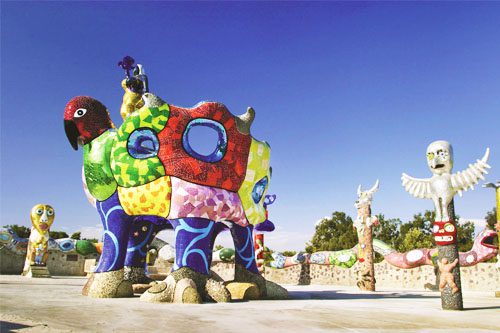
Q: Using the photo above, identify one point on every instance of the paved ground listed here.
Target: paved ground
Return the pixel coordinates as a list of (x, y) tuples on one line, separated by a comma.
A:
[(55, 305)]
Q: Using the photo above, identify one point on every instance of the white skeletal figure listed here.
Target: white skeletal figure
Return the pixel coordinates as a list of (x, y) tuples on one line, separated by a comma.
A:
[(443, 185), (365, 199)]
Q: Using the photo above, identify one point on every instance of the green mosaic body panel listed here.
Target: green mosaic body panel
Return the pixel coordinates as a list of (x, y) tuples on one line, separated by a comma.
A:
[(343, 258), (258, 166), (98, 174), (129, 171)]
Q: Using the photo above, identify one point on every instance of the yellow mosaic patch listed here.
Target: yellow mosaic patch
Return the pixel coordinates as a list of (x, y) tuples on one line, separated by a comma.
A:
[(258, 167), (152, 198)]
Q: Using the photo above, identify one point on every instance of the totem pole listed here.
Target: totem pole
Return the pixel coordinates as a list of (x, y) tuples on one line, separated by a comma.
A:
[(441, 188), (497, 225), (42, 217), (364, 224)]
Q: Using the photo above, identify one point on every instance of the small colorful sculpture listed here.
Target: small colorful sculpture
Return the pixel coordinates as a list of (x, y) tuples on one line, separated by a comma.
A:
[(364, 223), (134, 86), (42, 217), (148, 167), (441, 188), (260, 229)]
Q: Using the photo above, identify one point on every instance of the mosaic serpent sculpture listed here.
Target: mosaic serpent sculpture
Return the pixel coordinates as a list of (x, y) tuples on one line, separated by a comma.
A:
[(147, 169), (483, 249), (19, 246)]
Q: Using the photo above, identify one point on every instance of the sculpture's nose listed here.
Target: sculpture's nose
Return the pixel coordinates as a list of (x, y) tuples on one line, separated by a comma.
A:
[(44, 217), (433, 163)]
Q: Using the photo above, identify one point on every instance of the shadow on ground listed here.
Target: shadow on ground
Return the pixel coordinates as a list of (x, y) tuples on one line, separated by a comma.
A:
[(332, 294), (483, 308), (6, 326)]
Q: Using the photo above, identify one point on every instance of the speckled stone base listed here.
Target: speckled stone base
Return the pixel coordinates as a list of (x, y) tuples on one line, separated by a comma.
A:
[(136, 275), (267, 289), (35, 271), (275, 291), (140, 288), (242, 275), (187, 286), (110, 285)]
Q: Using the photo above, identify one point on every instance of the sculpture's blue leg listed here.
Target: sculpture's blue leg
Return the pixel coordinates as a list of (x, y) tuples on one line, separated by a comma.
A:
[(243, 244), (142, 233), (193, 243), (116, 231)]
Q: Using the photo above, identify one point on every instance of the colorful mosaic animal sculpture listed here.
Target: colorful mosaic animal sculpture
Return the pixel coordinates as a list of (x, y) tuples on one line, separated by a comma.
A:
[(482, 250), (42, 217), (148, 168)]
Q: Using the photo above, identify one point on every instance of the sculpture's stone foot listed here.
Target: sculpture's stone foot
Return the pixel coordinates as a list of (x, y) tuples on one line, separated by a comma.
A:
[(243, 291), (110, 285), (243, 275), (140, 288), (267, 289), (275, 291), (136, 275), (187, 286), (86, 287)]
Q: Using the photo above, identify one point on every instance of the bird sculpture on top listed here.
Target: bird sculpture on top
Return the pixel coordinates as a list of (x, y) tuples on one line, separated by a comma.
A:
[(443, 185)]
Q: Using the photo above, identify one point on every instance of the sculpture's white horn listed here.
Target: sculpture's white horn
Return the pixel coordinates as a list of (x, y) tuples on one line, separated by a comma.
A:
[(244, 121), (374, 188), (359, 190), (486, 155)]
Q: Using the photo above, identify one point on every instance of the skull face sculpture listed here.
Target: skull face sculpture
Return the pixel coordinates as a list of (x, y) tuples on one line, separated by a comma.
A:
[(440, 157), (445, 233)]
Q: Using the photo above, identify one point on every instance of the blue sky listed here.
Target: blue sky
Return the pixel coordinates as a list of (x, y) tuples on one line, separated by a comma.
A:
[(345, 93)]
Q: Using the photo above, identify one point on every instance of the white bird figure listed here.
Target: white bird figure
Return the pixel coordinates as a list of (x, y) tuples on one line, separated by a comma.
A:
[(443, 185)]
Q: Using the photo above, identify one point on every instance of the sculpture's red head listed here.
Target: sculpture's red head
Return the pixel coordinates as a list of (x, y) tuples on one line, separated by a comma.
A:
[(85, 118)]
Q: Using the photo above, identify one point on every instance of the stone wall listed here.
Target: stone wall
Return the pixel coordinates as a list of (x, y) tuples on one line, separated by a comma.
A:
[(481, 277), (59, 263)]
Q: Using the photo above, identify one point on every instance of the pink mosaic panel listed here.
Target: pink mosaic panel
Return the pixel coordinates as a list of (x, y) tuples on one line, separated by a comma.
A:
[(216, 204)]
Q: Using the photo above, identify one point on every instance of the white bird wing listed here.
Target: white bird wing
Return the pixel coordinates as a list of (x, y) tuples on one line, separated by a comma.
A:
[(465, 180), (419, 188)]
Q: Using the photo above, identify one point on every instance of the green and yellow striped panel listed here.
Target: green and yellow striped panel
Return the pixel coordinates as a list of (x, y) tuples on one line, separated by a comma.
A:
[(258, 166), (127, 170)]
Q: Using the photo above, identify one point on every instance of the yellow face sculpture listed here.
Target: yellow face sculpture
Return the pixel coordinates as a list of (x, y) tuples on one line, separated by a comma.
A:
[(42, 217)]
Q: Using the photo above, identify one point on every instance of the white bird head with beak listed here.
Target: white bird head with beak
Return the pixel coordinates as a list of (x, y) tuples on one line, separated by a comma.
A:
[(440, 157)]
